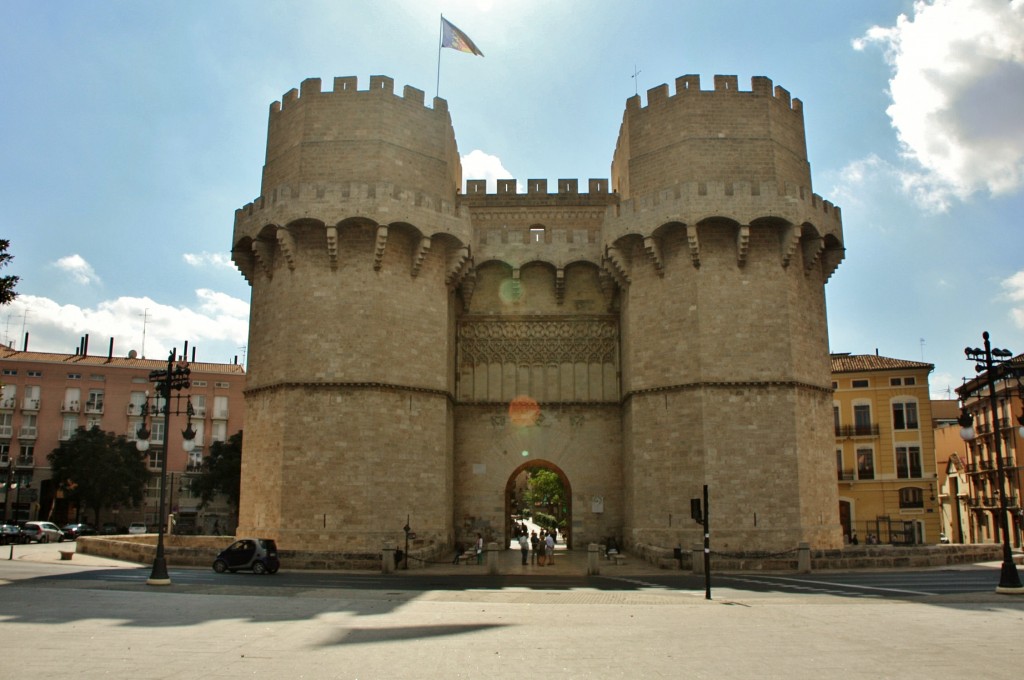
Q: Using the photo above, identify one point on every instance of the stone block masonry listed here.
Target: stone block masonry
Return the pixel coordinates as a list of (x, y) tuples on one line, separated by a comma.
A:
[(668, 328)]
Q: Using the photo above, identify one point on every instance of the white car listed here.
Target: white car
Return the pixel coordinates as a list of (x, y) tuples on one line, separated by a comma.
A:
[(137, 528), (41, 532)]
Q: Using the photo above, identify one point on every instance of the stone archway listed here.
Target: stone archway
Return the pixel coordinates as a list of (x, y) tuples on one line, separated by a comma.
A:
[(510, 496)]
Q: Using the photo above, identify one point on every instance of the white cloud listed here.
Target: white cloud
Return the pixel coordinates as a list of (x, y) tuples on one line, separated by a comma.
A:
[(80, 270), (218, 326), (957, 91), (208, 259), (1014, 287), (479, 165)]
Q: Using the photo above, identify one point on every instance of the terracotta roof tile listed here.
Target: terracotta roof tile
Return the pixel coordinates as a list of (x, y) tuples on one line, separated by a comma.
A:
[(850, 363)]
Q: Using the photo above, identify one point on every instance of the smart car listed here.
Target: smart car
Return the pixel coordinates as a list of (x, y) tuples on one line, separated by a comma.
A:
[(258, 554)]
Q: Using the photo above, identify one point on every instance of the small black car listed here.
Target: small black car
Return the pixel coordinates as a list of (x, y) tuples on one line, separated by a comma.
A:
[(73, 531), (258, 554)]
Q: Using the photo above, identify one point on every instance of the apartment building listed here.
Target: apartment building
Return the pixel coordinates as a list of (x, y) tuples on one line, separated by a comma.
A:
[(980, 498), (46, 397), (885, 450)]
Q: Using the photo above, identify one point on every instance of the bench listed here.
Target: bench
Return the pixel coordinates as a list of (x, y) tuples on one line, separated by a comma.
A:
[(619, 559)]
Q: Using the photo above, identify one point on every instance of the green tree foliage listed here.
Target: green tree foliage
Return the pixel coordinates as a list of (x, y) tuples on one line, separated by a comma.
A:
[(7, 283), (98, 469), (222, 472), (545, 493)]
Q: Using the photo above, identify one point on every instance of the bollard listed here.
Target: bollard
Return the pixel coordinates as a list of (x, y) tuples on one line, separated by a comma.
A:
[(387, 561), (492, 558), (698, 559), (803, 560), (593, 559)]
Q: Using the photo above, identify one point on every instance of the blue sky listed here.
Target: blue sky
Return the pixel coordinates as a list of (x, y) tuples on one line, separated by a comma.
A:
[(131, 131)]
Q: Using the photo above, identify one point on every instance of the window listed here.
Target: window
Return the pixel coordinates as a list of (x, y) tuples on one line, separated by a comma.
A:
[(68, 427), (35, 374), (10, 371), (31, 401), (536, 234), (72, 399), (218, 431), (911, 497), (199, 404), (9, 396), (27, 455), (198, 383), (156, 456), (5, 454), (98, 377), (6, 424), (904, 415), (909, 381), (839, 466), (93, 421), (860, 383), (136, 402), (74, 376), (908, 462), (895, 381), (862, 418), (865, 464), (94, 404), (220, 408), (835, 418), (28, 426), (156, 427)]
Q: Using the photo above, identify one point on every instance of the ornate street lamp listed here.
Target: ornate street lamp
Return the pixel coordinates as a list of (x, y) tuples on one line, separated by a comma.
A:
[(987, 361), (165, 382)]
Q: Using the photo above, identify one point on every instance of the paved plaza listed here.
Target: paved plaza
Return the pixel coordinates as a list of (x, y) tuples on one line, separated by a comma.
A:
[(93, 618)]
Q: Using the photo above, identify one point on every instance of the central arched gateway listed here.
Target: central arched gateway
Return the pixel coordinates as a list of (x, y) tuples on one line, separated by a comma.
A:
[(513, 488)]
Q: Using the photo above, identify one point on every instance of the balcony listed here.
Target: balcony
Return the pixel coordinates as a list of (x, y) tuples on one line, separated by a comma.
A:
[(94, 407), (194, 467), (1008, 462), (972, 468), (220, 414), (863, 430), (987, 465), (28, 432), (25, 461), (8, 404), (6, 431), (30, 405), (846, 476), (71, 407), (135, 409)]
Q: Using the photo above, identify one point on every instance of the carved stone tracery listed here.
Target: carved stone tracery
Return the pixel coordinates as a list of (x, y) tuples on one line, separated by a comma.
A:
[(547, 341)]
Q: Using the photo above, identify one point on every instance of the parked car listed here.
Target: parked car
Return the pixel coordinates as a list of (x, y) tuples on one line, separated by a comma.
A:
[(137, 528), (10, 533), (41, 532), (258, 554), (111, 529), (73, 531)]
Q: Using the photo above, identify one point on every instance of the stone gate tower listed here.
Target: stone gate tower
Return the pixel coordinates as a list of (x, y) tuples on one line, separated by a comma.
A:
[(414, 347)]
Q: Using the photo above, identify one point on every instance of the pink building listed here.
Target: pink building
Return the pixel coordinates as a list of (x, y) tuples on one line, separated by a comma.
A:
[(45, 397)]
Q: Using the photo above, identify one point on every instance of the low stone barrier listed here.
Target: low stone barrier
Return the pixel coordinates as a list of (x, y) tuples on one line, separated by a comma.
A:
[(848, 558)]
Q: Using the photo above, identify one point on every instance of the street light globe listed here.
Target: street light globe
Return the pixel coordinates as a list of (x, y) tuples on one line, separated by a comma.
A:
[(967, 433), (188, 445), (142, 445)]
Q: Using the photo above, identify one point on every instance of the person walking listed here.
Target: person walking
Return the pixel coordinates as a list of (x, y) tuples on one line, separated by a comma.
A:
[(524, 547), (479, 549), (549, 549)]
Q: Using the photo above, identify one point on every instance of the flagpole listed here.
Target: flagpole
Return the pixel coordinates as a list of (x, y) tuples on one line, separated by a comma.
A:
[(440, 39)]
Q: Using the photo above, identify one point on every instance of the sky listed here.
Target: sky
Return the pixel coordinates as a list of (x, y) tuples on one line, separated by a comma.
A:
[(132, 131)]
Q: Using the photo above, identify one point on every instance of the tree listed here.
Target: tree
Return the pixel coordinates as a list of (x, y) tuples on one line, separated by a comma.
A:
[(545, 488), (98, 469), (222, 472), (7, 283)]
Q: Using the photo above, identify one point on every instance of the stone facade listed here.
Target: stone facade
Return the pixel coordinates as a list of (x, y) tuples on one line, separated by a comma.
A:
[(413, 347)]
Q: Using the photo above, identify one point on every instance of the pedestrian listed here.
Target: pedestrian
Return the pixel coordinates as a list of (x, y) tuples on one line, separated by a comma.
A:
[(549, 549), (524, 547), (479, 549), (535, 544), (459, 551)]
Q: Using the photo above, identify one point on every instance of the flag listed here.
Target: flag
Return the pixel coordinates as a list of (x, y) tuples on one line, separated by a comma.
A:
[(452, 37)]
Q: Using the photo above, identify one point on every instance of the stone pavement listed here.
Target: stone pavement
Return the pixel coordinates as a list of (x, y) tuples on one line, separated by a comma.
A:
[(91, 629)]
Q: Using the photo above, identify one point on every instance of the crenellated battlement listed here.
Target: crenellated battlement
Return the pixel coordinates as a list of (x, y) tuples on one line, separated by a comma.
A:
[(347, 86), (689, 85), (709, 199)]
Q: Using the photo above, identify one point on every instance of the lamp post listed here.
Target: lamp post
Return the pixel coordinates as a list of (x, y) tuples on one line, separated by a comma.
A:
[(165, 382), (987, 361)]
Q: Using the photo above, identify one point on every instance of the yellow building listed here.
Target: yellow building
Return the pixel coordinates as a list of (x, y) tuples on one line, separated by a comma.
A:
[(885, 450)]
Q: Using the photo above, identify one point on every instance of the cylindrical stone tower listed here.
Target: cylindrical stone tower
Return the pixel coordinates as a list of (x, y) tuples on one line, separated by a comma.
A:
[(722, 252), (350, 251)]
